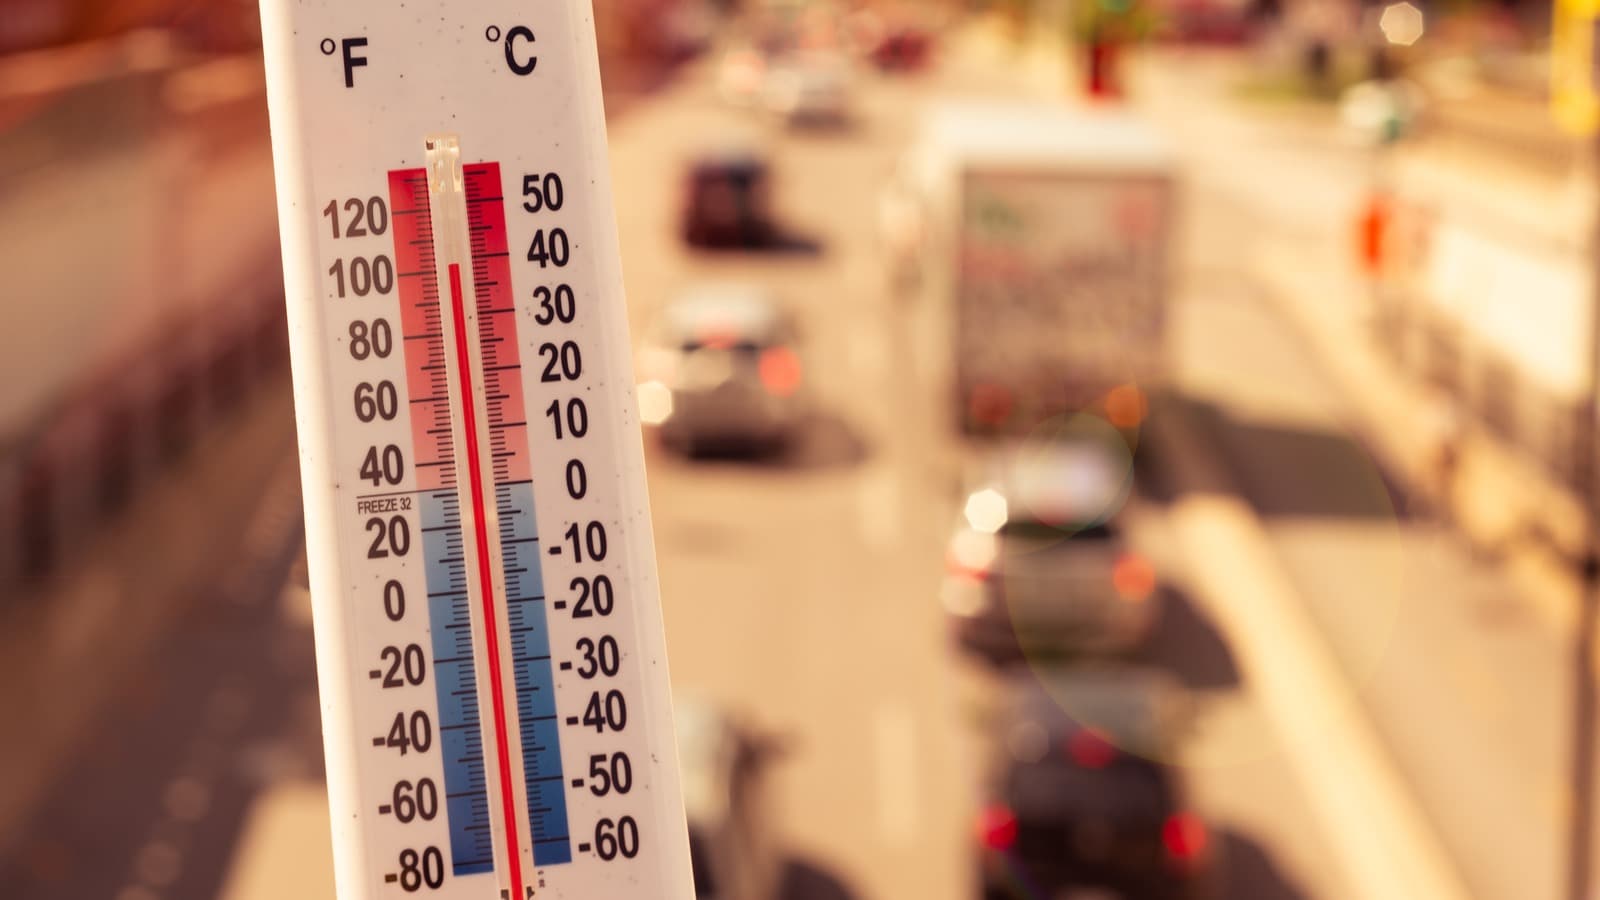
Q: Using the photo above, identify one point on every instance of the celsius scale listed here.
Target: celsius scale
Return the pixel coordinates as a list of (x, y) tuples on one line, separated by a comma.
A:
[(495, 702)]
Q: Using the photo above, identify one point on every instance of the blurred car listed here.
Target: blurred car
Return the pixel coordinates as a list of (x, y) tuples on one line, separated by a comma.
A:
[(722, 371), (732, 850), (726, 199), (812, 89), (1039, 565), (1079, 800)]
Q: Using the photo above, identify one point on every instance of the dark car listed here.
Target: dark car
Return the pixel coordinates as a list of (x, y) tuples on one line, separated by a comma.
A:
[(1083, 802), (726, 200)]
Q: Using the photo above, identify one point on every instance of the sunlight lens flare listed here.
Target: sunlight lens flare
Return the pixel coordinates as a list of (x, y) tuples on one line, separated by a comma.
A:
[(986, 511), (655, 403)]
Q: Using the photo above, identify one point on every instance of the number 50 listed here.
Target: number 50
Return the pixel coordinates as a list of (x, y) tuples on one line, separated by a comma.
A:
[(541, 192)]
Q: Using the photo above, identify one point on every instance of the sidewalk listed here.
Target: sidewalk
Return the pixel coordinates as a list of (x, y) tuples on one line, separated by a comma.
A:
[(1472, 701), (1306, 263)]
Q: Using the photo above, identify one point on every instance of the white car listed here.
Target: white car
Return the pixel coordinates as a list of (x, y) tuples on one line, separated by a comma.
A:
[(1039, 565), (721, 370)]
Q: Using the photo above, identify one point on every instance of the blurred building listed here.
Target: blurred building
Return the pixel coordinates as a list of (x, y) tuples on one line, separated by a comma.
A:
[(142, 250), (211, 24)]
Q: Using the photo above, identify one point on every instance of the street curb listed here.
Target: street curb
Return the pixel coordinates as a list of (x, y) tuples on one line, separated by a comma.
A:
[(1375, 827), (1390, 418)]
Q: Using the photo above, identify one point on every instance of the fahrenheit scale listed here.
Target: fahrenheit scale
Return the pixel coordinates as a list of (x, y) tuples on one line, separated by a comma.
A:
[(495, 701)]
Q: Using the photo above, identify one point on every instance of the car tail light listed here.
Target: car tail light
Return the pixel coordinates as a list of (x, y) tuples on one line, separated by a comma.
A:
[(1089, 748), (780, 371), (1125, 406), (1184, 837), (1133, 577), (997, 827)]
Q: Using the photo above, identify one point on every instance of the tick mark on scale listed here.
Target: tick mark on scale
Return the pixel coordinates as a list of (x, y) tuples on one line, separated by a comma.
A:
[(572, 720), (385, 809)]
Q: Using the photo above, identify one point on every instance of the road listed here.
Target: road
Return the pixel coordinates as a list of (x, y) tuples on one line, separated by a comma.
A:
[(801, 592), (860, 522)]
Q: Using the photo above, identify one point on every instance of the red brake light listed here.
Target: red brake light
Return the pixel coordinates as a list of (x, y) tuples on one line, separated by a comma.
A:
[(1184, 837), (1133, 577), (780, 371), (997, 827), (962, 570), (1089, 748), (1125, 406)]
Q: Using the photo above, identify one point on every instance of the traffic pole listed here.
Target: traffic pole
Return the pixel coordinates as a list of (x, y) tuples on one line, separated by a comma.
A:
[(1580, 863)]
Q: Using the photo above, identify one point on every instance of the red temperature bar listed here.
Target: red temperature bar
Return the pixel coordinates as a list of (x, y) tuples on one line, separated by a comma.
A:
[(480, 537)]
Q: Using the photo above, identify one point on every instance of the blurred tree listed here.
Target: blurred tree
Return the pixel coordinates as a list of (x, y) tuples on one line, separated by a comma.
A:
[(1104, 28)]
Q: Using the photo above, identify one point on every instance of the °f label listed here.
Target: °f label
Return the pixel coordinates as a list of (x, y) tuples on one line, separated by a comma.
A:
[(496, 710)]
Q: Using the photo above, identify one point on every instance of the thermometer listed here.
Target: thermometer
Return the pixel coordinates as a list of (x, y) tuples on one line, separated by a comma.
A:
[(495, 700)]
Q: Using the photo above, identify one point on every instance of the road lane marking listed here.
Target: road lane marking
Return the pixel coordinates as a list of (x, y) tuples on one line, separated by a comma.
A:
[(288, 821), (867, 355), (897, 774), (878, 507)]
